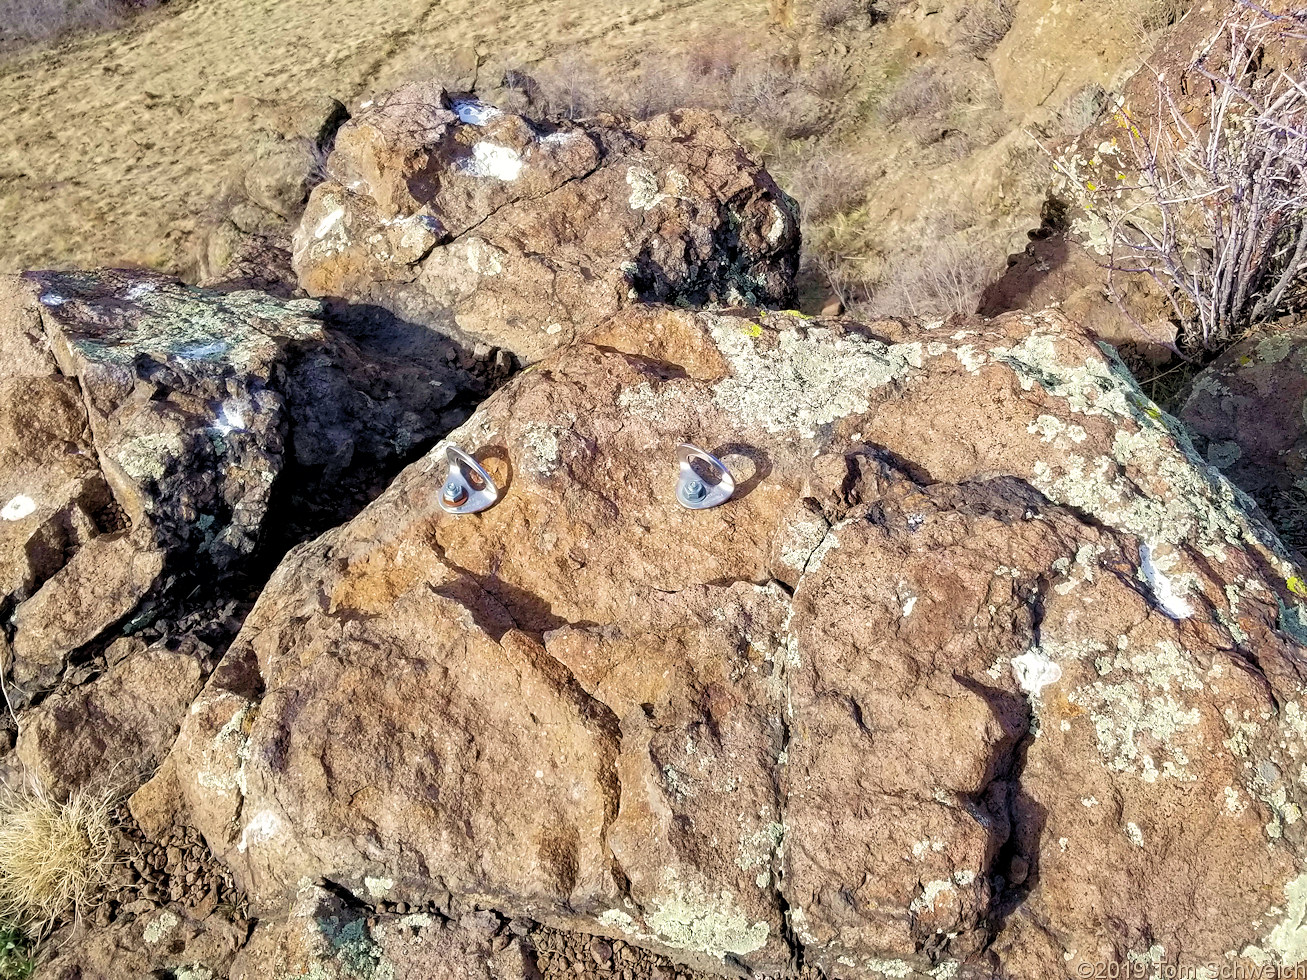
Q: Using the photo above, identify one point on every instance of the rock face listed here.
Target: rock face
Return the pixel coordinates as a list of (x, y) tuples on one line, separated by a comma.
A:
[(497, 230), (146, 429), (159, 943), (324, 938), (114, 730), (247, 244), (981, 665), (1246, 412)]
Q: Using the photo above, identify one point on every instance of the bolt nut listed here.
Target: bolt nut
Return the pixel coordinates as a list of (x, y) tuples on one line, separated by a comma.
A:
[(454, 493)]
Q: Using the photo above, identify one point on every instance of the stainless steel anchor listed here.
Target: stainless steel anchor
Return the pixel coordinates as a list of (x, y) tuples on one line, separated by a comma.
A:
[(693, 489), (468, 488)]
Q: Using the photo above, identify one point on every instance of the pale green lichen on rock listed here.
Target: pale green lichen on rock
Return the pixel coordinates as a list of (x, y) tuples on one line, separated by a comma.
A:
[(342, 951), (1152, 484), (684, 915), (801, 539), (809, 377), (240, 328), (890, 969), (1288, 940), (1275, 348), (1142, 701), (148, 457), (160, 927)]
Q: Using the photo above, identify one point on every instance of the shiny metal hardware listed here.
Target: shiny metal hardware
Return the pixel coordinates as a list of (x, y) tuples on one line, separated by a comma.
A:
[(468, 488), (697, 490)]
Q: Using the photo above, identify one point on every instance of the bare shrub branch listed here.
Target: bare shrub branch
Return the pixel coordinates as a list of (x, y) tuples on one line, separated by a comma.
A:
[(1217, 214)]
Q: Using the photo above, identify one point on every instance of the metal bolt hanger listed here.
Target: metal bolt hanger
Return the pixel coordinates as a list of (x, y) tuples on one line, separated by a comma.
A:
[(468, 488), (696, 491)]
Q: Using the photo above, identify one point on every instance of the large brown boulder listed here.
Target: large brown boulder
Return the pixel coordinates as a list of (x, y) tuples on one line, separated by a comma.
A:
[(1248, 415), (501, 231), (981, 670), (147, 429)]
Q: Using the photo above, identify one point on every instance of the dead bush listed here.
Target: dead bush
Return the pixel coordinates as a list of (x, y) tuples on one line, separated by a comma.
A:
[(923, 93), (54, 857), (944, 274), (1214, 210), (832, 13), (827, 80), (824, 182), (984, 24), (26, 21), (1158, 15)]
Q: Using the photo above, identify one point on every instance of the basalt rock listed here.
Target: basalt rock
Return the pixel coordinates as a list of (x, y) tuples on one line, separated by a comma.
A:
[(1246, 412), (497, 230), (114, 730), (161, 942), (981, 671), (148, 430), (323, 937)]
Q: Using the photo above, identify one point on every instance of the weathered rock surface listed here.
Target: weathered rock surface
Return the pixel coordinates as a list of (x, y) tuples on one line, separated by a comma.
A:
[(1247, 414), (163, 942), (116, 729), (246, 244), (497, 230), (326, 939), (146, 428), (1057, 271), (982, 665)]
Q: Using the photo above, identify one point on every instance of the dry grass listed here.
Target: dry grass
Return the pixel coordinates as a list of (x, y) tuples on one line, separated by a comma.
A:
[(984, 24), (945, 274), (54, 857), (825, 183), (923, 93), (25, 21), (721, 76), (1159, 15), (832, 13)]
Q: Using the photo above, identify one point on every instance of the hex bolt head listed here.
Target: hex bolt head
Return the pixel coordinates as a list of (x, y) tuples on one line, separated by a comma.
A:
[(454, 493), (695, 490)]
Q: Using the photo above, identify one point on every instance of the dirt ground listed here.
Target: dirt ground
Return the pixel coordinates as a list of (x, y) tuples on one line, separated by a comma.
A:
[(114, 142)]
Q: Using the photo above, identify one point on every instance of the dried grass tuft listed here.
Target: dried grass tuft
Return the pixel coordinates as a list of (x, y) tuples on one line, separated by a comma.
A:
[(54, 856)]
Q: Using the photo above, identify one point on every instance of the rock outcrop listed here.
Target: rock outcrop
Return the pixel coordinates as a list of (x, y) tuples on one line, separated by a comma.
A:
[(496, 230), (323, 937), (1248, 414), (147, 429), (982, 669), (246, 244)]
